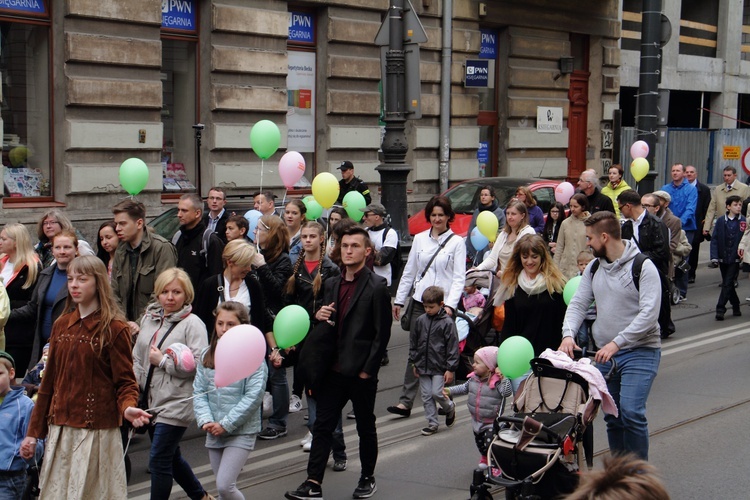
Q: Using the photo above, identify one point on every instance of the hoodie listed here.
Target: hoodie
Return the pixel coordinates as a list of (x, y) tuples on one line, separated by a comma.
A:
[(627, 316), (15, 414)]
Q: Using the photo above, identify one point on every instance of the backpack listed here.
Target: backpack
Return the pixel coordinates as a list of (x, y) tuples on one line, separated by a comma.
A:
[(205, 239), (397, 264), (665, 314)]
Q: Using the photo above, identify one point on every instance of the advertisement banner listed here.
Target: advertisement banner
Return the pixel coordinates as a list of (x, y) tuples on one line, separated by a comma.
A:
[(301, 27), (36, 7), (300, 118), (179, 15)]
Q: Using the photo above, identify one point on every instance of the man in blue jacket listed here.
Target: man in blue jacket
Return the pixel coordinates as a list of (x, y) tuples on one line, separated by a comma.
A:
[(684, 199)]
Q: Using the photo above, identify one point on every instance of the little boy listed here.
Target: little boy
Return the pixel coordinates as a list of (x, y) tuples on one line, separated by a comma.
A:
[(15, 413), (725, 244), (584, 332), (33, 378), (433, 353)]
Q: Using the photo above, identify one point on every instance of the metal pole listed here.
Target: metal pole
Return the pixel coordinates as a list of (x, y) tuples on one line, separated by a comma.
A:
[(198, 127), (648, 87), (445, 95), (394, 170)]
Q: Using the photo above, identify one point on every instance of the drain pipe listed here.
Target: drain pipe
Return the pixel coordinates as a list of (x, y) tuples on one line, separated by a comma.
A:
[(445, 95)]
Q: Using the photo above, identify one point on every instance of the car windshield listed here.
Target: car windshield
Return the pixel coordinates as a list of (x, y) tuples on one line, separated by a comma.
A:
[(465, 197)]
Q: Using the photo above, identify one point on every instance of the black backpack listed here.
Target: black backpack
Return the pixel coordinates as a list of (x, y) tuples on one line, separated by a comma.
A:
[(665, 312), (397, 264)]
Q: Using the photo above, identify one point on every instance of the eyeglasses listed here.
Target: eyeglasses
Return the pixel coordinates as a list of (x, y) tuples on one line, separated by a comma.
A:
[(50, 223), (646, 205), (620, 207), (554, 211)]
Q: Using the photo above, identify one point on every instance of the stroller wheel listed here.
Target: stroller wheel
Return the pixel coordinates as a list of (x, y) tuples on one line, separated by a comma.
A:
[(674, 294), (481, 496)]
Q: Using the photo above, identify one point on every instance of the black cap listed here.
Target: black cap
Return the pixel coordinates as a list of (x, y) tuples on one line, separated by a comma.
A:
[(5, 355), (346, 165)]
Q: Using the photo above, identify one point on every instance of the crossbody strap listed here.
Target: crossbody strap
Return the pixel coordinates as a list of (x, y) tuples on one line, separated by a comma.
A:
[(151, 368), (432, 259)]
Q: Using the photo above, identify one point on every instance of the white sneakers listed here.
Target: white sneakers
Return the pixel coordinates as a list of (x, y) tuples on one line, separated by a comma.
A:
[(295, 404), (306, 442)]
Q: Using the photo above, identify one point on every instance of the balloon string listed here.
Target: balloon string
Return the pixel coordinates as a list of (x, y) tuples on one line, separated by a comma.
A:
[(261, 174), (161, 407), (283, 200)]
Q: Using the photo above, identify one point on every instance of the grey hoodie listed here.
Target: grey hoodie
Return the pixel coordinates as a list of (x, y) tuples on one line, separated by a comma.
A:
[(624, 314)]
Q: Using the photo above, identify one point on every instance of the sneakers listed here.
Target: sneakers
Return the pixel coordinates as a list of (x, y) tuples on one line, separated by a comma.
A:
[(351, 415), (306, 491), (450, 418), (385, 360), (429, 430), (339, 465), (397, 410), (365, 488), (307, 439), (307, 446), (719, 316), (295, 404), (269, 433)]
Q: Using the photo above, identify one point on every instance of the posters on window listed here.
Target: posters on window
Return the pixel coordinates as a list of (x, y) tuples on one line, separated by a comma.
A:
[(300, 119)]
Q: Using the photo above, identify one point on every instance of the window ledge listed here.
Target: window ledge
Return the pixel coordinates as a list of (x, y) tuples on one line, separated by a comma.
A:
[(21, 203)]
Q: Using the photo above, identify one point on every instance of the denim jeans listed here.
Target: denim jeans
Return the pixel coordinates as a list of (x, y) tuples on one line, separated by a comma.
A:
[(411, 383), (12, 486), (279, 389), (630, 386), (337, 445), (165, 462)]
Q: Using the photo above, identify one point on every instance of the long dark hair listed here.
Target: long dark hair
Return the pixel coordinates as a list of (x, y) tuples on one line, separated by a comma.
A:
[(101, 252), (549, 225), (243, 316)]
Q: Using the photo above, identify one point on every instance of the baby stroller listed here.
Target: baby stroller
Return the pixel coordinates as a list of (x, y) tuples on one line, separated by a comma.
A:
[(475, 327), (540, 449)]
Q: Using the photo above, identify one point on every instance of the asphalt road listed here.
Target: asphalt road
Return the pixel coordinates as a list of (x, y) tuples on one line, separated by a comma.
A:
[(697, 413)]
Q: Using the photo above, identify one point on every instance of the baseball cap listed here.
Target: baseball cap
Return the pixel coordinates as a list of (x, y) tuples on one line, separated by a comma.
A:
[(5, 355), (346, 165), (663, 195), (375, 208)]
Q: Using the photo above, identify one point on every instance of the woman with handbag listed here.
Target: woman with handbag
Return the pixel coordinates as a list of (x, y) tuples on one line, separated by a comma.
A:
[(87, 389), (437, 258), (168, 384), (231, 415)]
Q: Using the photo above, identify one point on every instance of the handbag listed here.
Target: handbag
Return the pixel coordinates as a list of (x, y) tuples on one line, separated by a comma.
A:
[(408, 311), (498, 317), (143, 396)]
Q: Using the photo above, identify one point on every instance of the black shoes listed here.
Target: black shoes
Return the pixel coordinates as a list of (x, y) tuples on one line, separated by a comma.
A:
[(365, 488), (397, 410), (450, 418), (719, 316), (736, 311), (306, 491), (385, 360), (270, 433)]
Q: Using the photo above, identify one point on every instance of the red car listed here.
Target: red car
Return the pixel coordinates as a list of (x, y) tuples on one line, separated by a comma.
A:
[(464, 198)]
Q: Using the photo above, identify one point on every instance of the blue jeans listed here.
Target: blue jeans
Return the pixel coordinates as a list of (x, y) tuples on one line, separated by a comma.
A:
[(279, 389), (630, 386), (12, 486), (165, 462), (337, 445)]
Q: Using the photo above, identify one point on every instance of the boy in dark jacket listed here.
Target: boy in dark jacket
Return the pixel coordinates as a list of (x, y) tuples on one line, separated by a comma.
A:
[(725, 242), (433, 352)]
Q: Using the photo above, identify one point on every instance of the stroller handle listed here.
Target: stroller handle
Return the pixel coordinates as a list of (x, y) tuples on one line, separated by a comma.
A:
[(585, 353), (550, 432)]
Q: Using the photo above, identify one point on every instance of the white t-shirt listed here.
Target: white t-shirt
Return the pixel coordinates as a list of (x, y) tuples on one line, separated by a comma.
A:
[(391, 240)]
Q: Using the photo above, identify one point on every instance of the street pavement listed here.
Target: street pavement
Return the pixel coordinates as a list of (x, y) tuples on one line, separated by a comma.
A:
[(697, 417)]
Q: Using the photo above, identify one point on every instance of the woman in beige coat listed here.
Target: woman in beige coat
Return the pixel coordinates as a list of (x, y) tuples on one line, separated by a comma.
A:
[(572, 237)]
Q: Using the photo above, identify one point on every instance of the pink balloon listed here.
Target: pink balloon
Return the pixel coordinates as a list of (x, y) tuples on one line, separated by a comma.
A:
[(291, 168), (239, 353), (639, 149), (563, 192)]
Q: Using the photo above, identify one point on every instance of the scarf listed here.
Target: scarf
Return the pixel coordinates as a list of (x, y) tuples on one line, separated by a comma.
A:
[(530, 286)]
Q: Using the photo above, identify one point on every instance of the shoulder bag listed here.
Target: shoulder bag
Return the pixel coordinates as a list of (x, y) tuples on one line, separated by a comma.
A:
[(409, 305)]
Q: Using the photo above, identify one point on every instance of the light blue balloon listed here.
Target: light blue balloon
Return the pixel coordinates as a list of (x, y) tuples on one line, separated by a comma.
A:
[(252, 216), (478, 240)]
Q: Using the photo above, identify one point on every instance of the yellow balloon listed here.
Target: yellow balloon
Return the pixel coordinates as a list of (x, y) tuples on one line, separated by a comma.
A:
[(639, 168), (325, 189), (487, 225)]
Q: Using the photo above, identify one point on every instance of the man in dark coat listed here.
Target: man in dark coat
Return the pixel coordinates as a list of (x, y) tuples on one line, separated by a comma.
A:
[(704, 199), (588, 184), (198, 249), (358, 312), (216, 217), (349, 182)]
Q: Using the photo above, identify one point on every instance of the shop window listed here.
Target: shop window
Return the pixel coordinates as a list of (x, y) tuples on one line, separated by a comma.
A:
[(25, 109)]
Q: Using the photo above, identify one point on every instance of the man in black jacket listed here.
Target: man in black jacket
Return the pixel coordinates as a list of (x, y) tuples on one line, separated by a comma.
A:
[(358, 311), (350, 182), (198, 249), (588, 184), (704, 200), (216, 217)]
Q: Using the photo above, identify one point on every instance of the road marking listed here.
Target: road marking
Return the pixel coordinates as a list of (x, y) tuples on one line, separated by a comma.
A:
[(700, 343), (709, 333)]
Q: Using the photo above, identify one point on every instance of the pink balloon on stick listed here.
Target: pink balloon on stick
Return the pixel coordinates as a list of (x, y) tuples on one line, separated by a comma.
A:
[(239, 352), (563, 192), (291, 168), (639, 149)]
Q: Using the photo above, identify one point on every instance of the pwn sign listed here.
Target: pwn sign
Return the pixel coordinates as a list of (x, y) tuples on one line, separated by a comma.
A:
[(178, 15), (488, 48), (477, 73), (301, 27)]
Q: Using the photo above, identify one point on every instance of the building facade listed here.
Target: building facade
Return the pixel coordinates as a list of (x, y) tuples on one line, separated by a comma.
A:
[(87, 84)]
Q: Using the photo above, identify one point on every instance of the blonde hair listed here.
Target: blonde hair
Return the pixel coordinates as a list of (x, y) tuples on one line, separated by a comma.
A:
[(239, 252), (532, 244), (585, 255), (91, 265), (25, 254), (624, 477), (519, 207), (168, 276), (243, 316)]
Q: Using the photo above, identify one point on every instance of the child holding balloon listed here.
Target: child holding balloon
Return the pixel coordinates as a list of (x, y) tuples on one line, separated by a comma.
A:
[(487, 391), (230, 415)]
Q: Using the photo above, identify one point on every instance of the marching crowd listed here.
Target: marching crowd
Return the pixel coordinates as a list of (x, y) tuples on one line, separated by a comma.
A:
[(120, 337)]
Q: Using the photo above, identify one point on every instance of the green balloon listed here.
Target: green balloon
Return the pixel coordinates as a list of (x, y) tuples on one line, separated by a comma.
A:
[(353, 203), (291, 326), (514, 355), (570, 288), (314, 209), (265, 138), (133, 175)]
